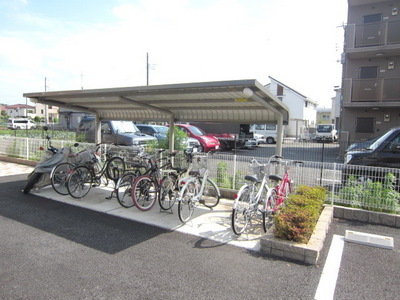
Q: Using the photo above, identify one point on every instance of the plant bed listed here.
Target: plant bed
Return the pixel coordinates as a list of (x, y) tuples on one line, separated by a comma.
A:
[(300, 226), (306, 253)]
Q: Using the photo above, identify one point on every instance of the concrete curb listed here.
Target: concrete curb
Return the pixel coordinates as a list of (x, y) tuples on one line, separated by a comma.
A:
[(367, 216), (305, 253), (18, 160)]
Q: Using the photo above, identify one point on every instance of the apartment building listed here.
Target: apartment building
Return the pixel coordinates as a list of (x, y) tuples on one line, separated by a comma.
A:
[(370, 103)]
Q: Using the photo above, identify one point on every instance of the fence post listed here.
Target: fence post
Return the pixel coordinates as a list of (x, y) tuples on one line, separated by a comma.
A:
[(234, 172), (27, 148), (333, 185)]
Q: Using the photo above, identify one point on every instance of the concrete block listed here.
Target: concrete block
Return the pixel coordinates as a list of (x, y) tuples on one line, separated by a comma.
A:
[(360, 215)]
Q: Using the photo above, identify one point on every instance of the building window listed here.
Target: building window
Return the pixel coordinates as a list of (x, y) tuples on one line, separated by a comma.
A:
[(365, 125), (368, 72), (372, 18), (279, 90)]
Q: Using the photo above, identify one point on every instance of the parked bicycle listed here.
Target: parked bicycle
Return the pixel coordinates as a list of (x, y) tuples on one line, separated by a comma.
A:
[(198, 188), (53, 156), (145, 187), (124, 185), (256, 197), (60, 173), (169, 186), (81, 179)]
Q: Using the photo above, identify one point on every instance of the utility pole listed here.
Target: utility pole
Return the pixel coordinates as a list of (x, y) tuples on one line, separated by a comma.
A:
[(46, 118), (147, 67)]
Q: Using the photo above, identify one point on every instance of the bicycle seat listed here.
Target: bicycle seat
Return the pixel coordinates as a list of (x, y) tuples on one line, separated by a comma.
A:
[(179, 170), (275, 177), (194, 173), (252, 178)]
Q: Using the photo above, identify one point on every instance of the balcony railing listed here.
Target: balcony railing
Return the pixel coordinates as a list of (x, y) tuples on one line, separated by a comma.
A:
[(372, 90), (373, 34)]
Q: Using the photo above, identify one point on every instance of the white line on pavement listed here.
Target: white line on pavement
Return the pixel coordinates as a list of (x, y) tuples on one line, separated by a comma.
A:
[(327, 282)]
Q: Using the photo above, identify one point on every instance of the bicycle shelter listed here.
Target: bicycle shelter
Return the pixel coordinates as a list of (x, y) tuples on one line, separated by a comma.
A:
[(235, 101)]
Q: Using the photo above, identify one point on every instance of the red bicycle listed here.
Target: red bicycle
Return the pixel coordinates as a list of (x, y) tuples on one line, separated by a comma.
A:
[(256, 196)]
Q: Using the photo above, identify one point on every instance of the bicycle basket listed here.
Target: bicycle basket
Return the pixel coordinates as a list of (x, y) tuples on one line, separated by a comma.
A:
[(257, 170), (200, 163)]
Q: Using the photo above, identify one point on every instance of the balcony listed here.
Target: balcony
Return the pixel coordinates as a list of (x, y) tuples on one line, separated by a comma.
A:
[(385, 91), (368, 38)]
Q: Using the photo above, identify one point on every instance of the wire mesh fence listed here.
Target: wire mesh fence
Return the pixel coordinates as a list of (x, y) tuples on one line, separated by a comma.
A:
[(364, 187)]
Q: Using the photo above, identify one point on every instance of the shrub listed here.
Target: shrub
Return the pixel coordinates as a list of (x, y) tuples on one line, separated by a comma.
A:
[(179, 138), (222, 175), (297, 219), (375, 196)]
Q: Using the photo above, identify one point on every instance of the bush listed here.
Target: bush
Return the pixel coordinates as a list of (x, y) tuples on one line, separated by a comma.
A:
[(179, 141), (297, 219), (223, 179), (374, 196)]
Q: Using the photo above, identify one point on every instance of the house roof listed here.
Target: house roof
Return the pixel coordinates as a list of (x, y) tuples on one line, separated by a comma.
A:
[(19, 106), (301, 95), (238, 101)]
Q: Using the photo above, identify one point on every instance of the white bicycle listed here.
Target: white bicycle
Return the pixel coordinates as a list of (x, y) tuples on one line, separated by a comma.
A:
[(198, 188)]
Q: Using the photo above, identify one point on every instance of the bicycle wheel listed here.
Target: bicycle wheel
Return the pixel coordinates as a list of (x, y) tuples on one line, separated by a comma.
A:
[(59, 176), (167, 192), (115, 168), (186, 204), (79, 182), (268, 211), (33, 178), (124, 190), (144, 192), (211, 194), (241, 211)]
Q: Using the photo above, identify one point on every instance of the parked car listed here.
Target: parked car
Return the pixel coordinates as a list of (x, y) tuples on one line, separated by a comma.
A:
[(260, 139), (383, 152), (208, 143), (160, 132), (362, 145), (21, 123), (116, 132)]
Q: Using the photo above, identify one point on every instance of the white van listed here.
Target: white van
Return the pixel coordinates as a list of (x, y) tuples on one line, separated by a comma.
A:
[(21, 124), (268, 131)]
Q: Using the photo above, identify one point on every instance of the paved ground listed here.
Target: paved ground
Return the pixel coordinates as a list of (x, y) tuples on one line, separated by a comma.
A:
[(207, 223), (55, 250)]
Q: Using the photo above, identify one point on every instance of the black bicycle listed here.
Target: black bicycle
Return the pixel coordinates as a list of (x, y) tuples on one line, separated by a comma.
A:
[(82, 178)]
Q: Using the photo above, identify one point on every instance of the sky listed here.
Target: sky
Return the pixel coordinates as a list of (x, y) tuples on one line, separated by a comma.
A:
[(88, 44)]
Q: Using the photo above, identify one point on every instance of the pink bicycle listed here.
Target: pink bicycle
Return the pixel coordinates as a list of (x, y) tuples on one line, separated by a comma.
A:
[(257, 197)]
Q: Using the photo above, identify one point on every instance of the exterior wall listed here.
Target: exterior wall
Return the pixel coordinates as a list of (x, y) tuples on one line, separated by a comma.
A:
[(52, 112), (375, 44), (301, 115), (70, 119), (20, 110), (324, 116)]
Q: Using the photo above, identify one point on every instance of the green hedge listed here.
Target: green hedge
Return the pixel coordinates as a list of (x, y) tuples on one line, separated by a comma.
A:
[(296, 220)]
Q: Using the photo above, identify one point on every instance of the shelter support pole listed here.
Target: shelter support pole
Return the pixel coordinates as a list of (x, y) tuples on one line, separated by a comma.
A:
[(171, 134), (279, 135), (279, 115), (97, 129)]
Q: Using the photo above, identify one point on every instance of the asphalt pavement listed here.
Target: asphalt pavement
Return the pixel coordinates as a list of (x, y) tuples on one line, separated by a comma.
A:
[(53, 249)]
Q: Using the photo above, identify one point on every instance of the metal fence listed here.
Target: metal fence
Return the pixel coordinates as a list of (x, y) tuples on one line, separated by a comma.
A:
[(355, 186)]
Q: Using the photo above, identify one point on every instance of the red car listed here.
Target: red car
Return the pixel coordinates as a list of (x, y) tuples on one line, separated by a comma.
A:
[(207, 142)]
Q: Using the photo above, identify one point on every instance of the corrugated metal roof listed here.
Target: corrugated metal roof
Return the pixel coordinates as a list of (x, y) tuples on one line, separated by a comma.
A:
[(238, 101)]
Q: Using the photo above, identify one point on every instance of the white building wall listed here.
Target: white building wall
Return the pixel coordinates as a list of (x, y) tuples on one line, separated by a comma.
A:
[(300, 116)]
